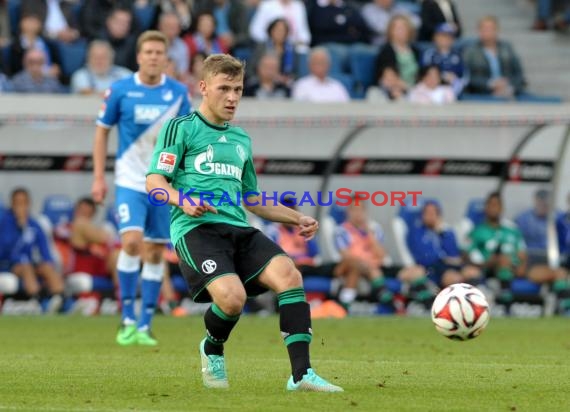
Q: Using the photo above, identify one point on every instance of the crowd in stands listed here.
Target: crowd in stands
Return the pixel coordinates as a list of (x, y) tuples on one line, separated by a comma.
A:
[(65, 255), (326, 50)]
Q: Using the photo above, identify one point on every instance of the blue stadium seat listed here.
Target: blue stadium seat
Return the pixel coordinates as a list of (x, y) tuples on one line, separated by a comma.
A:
[(521, 286), (103, 284), (476, 211), (319, 284), (14, 8), (58, 209), (362, 67), (5, 56), (145, 16), (302, 68), (72, 55), (242, 53)]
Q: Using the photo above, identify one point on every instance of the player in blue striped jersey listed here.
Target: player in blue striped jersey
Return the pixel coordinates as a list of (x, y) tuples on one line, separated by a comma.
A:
[(139, 105)]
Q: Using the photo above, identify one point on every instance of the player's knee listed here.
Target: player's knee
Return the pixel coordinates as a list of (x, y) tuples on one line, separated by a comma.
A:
[(132, 247), (232, 302), (153, 255), (292, 278)]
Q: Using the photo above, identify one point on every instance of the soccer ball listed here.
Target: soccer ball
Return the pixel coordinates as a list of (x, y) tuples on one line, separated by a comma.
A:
[(460, 312)]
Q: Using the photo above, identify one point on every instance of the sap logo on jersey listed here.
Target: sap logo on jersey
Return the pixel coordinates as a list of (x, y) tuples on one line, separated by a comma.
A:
[(148, 113), (205, 165), (166, 162)]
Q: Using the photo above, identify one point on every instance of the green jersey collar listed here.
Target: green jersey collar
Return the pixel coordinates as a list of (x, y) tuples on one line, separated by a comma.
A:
[(212, 125)]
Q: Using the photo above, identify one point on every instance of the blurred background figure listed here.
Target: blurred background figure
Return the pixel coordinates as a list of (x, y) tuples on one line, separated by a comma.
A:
[(378, 13), (318, 86), (58, 18), (267, 84), (169, 24), (25, 251), (430, 89), (118, 32), (204, 38), (34, 79), (435, 12), (232, 23), (99, 72)]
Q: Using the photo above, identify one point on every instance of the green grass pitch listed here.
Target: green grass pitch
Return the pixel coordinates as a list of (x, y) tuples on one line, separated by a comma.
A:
[(384, 364)]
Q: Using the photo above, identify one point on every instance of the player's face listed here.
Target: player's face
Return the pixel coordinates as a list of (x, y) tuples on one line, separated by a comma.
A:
[(430, 215), (493, 209), (357, 215), (152, 58), (222, 95), (21, 205)]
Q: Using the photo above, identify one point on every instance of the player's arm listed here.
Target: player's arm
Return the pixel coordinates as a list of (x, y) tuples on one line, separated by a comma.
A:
[(90, 233), (99, 187), (282, 214)]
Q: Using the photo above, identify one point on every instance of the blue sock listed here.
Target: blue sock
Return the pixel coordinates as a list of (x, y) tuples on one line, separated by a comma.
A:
[(150, 290), (128, 268)]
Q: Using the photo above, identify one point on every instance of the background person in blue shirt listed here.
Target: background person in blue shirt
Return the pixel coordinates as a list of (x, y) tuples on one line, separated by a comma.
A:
[(533, 226), (435, 249), (24, 251)]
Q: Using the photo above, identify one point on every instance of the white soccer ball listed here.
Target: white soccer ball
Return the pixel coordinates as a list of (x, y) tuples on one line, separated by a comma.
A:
[(460, 312)]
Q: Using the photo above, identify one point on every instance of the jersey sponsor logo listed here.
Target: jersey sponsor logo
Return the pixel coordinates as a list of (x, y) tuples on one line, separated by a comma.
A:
[(209, 266), (205, 165), (148, 113), (166, 162)]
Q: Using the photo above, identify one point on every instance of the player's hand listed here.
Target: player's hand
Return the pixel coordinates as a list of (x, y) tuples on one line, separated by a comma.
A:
[(199, 209), (99, 190), (309, 227)]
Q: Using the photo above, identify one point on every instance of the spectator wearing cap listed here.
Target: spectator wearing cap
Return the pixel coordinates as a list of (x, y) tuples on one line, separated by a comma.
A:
[(493, 66), (533, 226), (378, 13), (449, 61), (435, 12)]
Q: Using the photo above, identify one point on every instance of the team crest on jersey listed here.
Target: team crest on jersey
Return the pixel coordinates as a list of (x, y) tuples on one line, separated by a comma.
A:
[(167, 95), (210, 153), (241, 152), (166, 162)]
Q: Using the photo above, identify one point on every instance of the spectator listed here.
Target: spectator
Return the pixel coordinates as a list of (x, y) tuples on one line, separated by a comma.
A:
[(94, 14), (232, 25), (533, 226), (435, 250), (30, 37), (99, 72), (430, 89), (493, 67), (294, 11), (336, 22), (117, 32), (435, 12), (545, 13), (57, 16), (94, 248), (24, 251), (318, 86), (204, 39), (169, 24), (361, 244), (5, 28), (449, 61), (182, 8), (378, 13), (267, 86), (278, 44), (398, 61), (4, 84), (33, 78), (498, 248), (193, 79)]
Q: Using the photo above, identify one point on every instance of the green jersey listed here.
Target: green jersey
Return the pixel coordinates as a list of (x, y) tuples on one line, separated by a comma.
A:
[(209, 162), (486, 240)]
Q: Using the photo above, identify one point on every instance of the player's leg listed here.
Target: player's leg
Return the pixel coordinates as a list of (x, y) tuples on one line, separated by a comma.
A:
[(281, 276), (55, 286), (25, 271), (152, 275), (206, 261), (157, 235), (131, 209)]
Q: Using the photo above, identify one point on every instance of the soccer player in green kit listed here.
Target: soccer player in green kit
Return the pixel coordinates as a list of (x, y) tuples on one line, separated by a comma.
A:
[(498, 248), (222, 257)]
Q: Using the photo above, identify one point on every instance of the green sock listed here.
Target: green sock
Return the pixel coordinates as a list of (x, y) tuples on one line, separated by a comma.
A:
[(560, 285)]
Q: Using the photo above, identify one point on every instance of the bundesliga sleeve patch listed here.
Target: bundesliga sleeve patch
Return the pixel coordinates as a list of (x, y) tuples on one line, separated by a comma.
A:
[(166, 162)]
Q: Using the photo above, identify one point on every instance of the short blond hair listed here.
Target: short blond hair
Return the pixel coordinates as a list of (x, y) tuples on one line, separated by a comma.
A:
[(223, 63), (152, 35), (407, 21), (488, 18)]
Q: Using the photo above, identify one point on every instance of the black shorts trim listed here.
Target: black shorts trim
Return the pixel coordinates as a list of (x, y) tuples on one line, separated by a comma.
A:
[(212, 250)]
